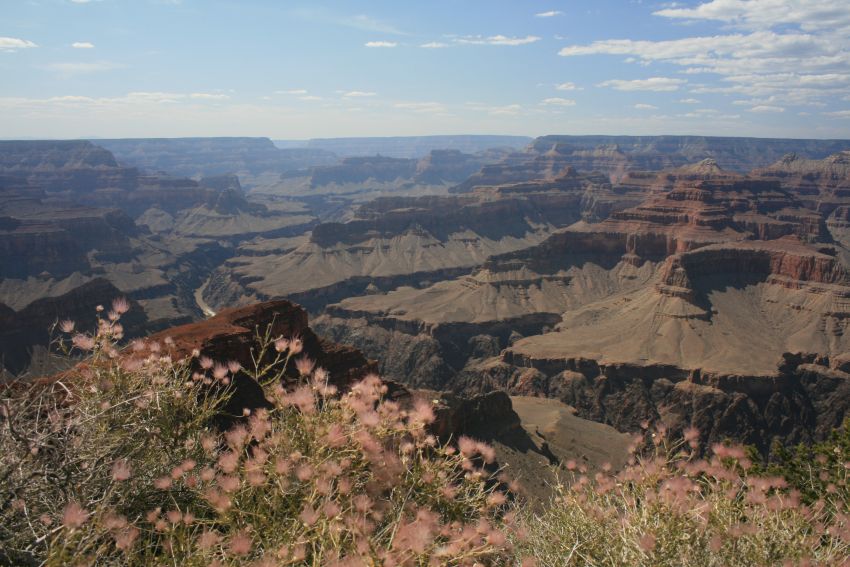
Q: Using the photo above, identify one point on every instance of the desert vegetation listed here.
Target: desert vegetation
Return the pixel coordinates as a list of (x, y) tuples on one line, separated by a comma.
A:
[(125, 461)]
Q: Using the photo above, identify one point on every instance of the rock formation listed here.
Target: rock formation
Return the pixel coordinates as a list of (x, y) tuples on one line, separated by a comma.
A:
[(251, 158), (411, 241), (713, 274)]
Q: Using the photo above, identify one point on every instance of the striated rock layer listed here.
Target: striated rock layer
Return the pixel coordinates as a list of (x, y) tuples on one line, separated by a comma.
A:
[(703, 286), (415, 241)]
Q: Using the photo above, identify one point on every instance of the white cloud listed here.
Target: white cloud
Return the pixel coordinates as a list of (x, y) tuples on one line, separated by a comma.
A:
[(358, 94), (209, 96), (71, 99), (381, 44), (839, 114), (643, 106), (292, 92), (421, 107), (434, 45), (549, 14), (557, 101), (567, 87), (753, 14), (689, 101), (795, 50), (656, 84), (82, 45), (73, 69), (14, 43), (766, 108), (310, 98), (497, 40)]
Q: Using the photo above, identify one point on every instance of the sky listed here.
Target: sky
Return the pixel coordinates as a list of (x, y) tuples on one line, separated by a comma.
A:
[(293, 69)]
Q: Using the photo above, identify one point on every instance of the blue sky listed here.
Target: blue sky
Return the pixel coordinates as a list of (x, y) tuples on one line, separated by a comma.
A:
[(294, 69)]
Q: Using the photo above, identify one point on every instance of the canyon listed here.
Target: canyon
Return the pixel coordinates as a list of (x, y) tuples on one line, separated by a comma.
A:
[(684, 281)]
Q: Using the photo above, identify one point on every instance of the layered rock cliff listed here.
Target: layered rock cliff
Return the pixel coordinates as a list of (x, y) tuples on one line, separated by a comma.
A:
[(415, 241)]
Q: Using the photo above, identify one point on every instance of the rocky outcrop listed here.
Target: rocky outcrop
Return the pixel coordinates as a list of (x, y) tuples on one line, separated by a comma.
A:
[(232, 335), (802, 401), (822, 184), (784, 262)]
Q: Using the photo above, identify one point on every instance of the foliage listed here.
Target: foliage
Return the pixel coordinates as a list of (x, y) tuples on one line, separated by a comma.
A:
[(818, 470), (673, 508), (117, 463)]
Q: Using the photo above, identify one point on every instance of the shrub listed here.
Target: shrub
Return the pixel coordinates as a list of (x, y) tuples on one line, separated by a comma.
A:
[(675, 509), (818, 471), (118, 463)]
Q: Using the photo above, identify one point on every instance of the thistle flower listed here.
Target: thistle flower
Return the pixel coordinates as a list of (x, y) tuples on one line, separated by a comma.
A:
[(281, 345), (67, 326), (83, 342), (208, 539), (296, 345), (125, 539), (74, 515), (121, 470), (308, 515), (120, 305), (305, 365)]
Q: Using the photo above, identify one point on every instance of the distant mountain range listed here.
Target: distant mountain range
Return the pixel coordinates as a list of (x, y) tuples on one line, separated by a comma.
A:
[(405, 146)]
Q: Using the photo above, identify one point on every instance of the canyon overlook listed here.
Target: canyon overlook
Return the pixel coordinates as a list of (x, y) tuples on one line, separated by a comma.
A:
[(687, 281)]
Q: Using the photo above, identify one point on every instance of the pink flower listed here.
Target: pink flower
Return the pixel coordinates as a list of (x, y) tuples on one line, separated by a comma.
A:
[(125, 538), (303, 399), (205, 362), (234, 366), (647, 542), (219, 371), (468, 447), (83, 342), (121, 470), (208, 539), (487, 452), (240, 543), (74, 515), (296, 345), (66, 326), (228, 483), (304, 473), (308, 515), (336, 436), (120, 305), (236, 437), (422, 412), (304, 365), (281, 345)]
